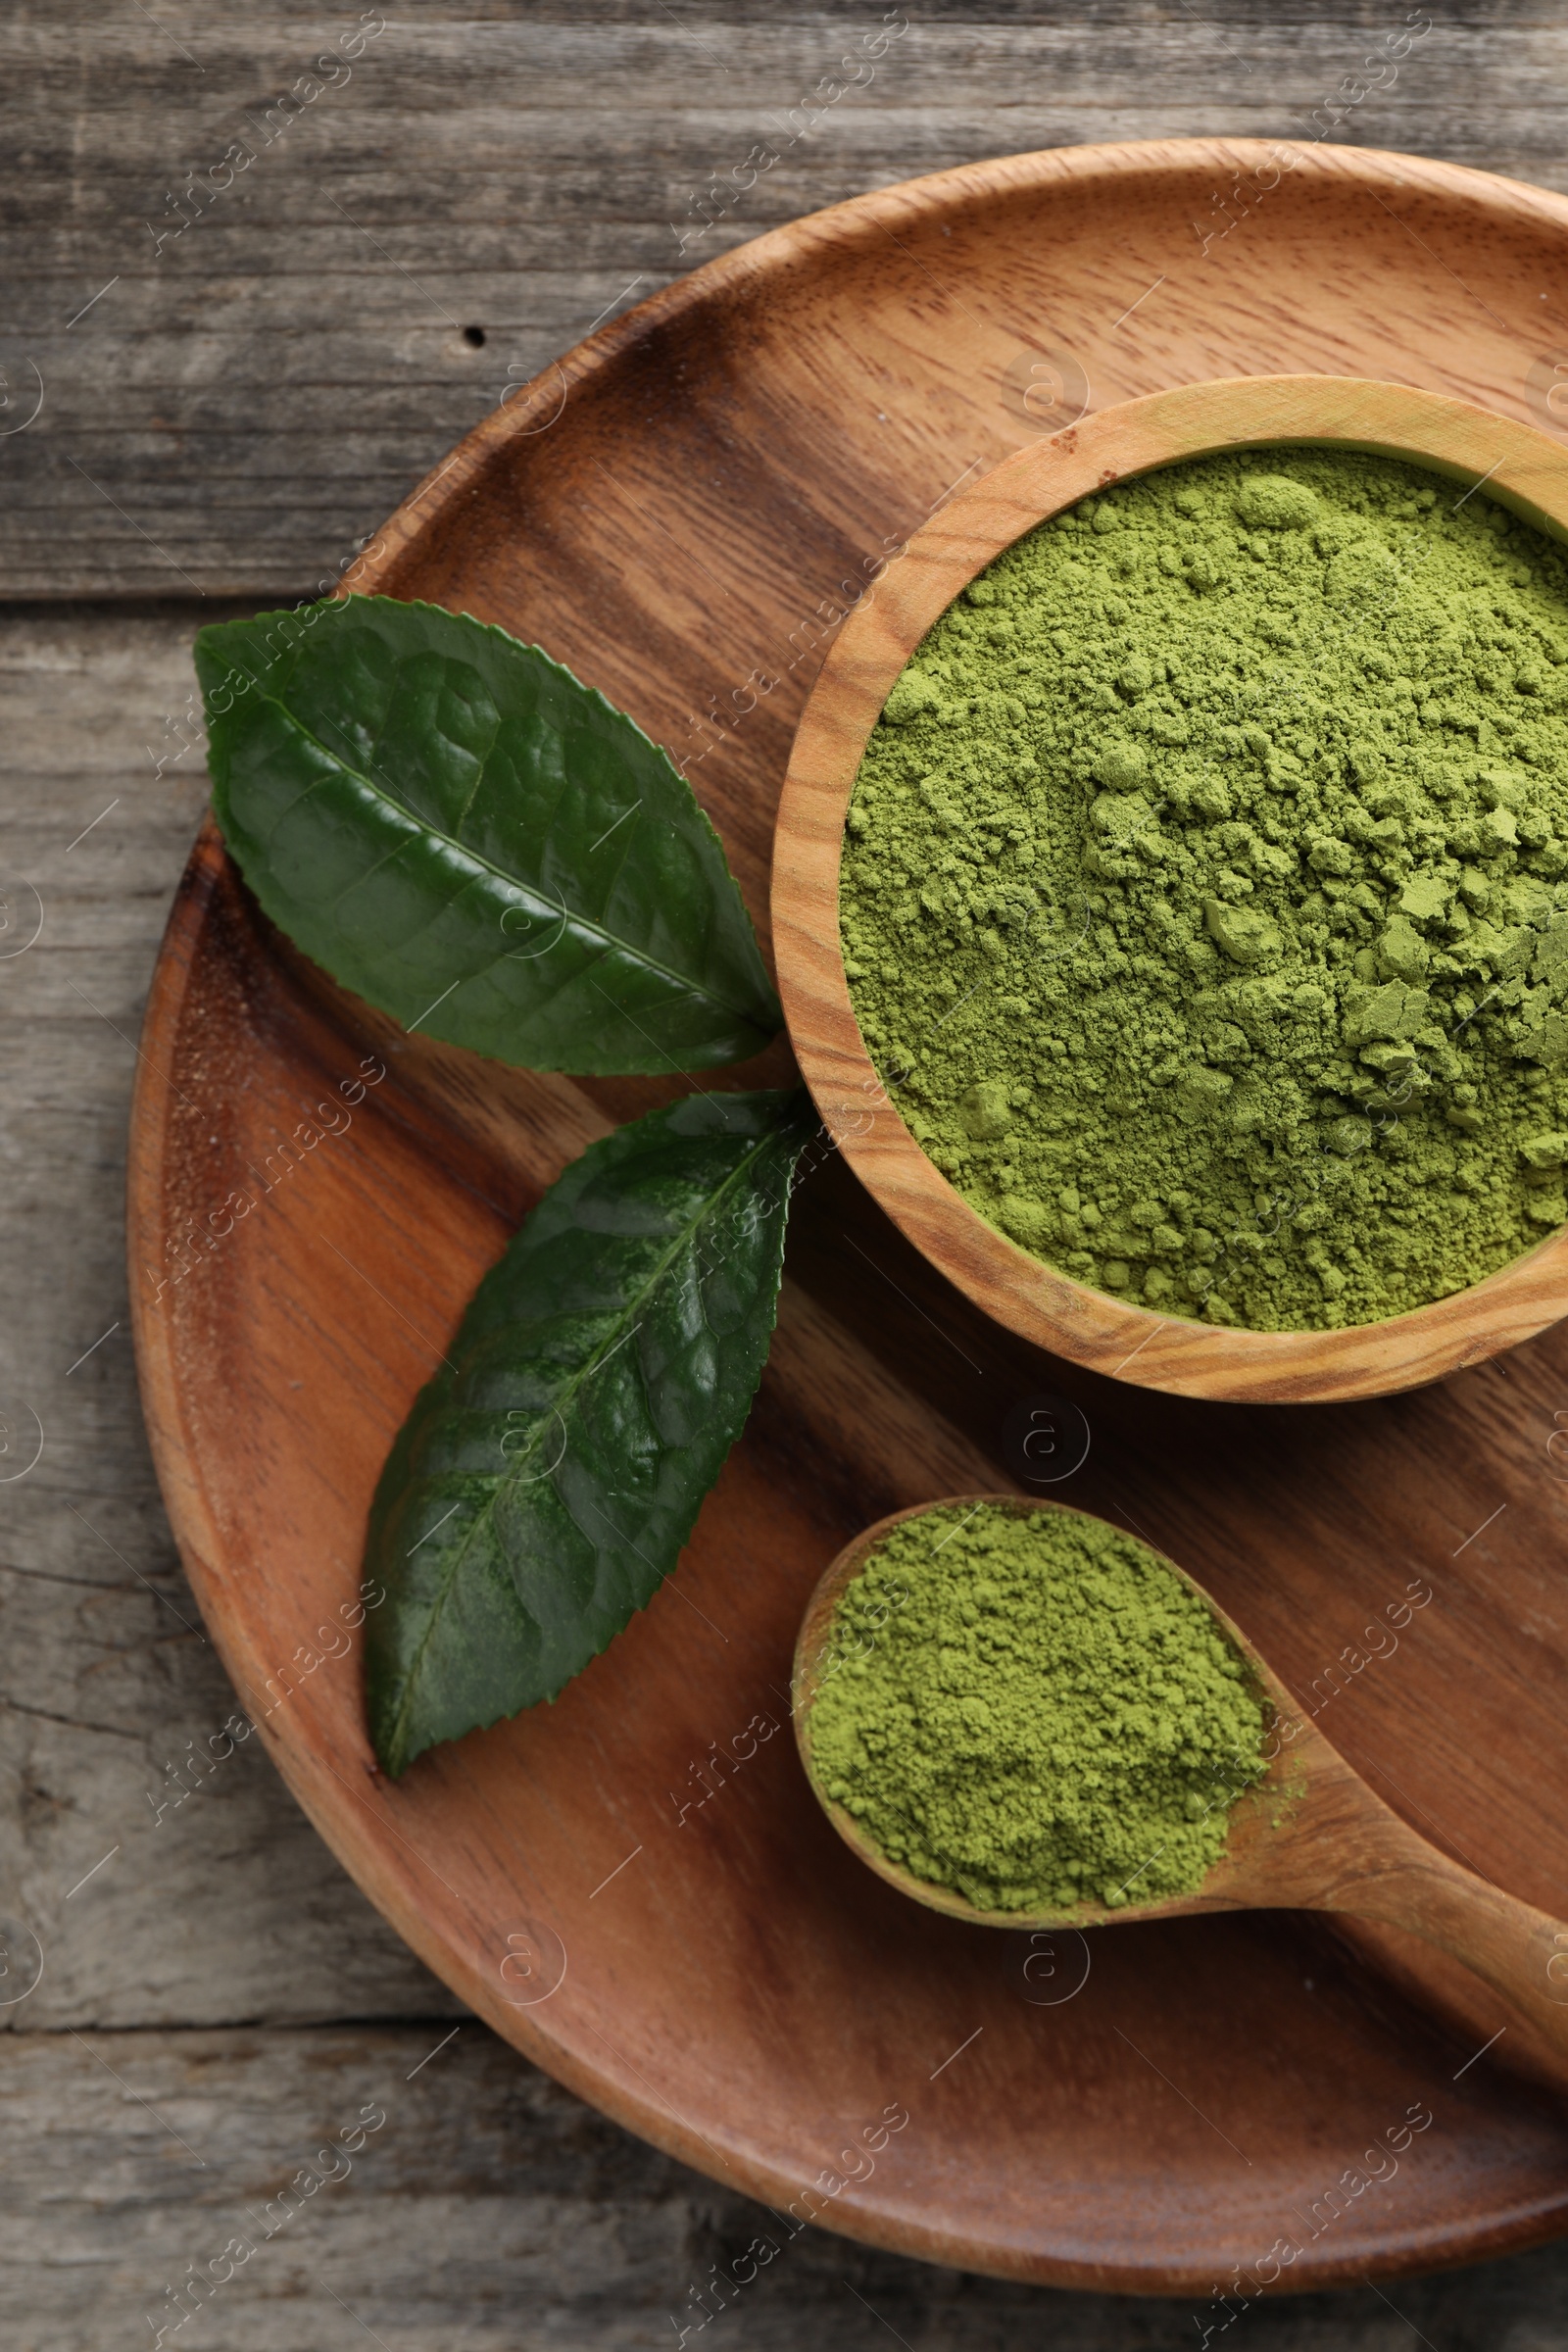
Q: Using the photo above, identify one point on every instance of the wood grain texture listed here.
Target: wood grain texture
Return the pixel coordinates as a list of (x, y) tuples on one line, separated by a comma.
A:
[(492, 2213), (248, 403), (272, 390), (223, 1906), (740, 428), (1525, 470)]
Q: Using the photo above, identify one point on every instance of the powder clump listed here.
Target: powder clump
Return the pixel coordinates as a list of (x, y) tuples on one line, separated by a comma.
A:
[(1031, 1709), (1210, 859), (1275, 501)]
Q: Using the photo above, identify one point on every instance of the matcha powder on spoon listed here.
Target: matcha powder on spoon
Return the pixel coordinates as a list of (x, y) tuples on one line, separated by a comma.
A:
[(1031, 1709), (1202, 896)]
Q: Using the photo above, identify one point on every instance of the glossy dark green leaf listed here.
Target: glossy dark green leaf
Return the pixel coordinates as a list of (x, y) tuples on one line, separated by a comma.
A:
[(482, 847), (547, 1478)]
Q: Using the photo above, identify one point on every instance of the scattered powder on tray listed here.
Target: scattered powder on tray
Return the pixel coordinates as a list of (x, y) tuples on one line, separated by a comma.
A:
[(1043, 1715), (1202, 899)]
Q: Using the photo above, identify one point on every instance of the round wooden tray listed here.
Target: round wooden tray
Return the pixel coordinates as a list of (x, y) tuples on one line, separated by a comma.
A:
[(673, 516)]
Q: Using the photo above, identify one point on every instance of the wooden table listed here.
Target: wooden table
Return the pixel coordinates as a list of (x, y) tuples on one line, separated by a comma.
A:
[(228, 407)]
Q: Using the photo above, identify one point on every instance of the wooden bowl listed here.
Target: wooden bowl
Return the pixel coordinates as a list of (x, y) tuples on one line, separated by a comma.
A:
[(1522, 470)]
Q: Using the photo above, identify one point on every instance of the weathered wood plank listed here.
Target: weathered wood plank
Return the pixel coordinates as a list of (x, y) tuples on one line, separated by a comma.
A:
[(489, 2209), (220, 1903), (241, 404)]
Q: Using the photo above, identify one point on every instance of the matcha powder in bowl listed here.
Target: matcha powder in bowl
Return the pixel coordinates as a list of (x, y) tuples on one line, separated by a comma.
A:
[(1202, 900), (1031, 1709)]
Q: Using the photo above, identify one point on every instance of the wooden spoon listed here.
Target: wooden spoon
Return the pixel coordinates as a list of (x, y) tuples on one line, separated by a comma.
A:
[(1309, 1837)]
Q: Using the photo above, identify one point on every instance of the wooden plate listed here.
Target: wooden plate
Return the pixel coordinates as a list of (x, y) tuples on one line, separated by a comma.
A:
[(673, 514)]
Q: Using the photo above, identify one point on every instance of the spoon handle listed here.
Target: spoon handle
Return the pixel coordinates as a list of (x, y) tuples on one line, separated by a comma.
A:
[(1520, 1952), (1371, 1863)]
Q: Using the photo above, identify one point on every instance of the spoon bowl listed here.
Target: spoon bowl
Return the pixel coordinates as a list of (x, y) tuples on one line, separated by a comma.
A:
[(1309, 1836)]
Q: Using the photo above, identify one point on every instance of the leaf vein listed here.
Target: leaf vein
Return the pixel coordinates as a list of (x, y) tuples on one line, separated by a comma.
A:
[(568, 1399), (376, 786)]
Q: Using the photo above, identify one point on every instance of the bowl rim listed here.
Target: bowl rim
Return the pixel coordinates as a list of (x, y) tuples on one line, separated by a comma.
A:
[(1524, 469)]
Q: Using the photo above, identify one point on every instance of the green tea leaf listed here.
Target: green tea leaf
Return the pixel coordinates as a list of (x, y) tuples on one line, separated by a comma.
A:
[(547, 1478), (474, 842)]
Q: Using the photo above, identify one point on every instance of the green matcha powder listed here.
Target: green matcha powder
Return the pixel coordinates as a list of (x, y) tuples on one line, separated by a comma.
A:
[(1030, 1709), (1203, 901)]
